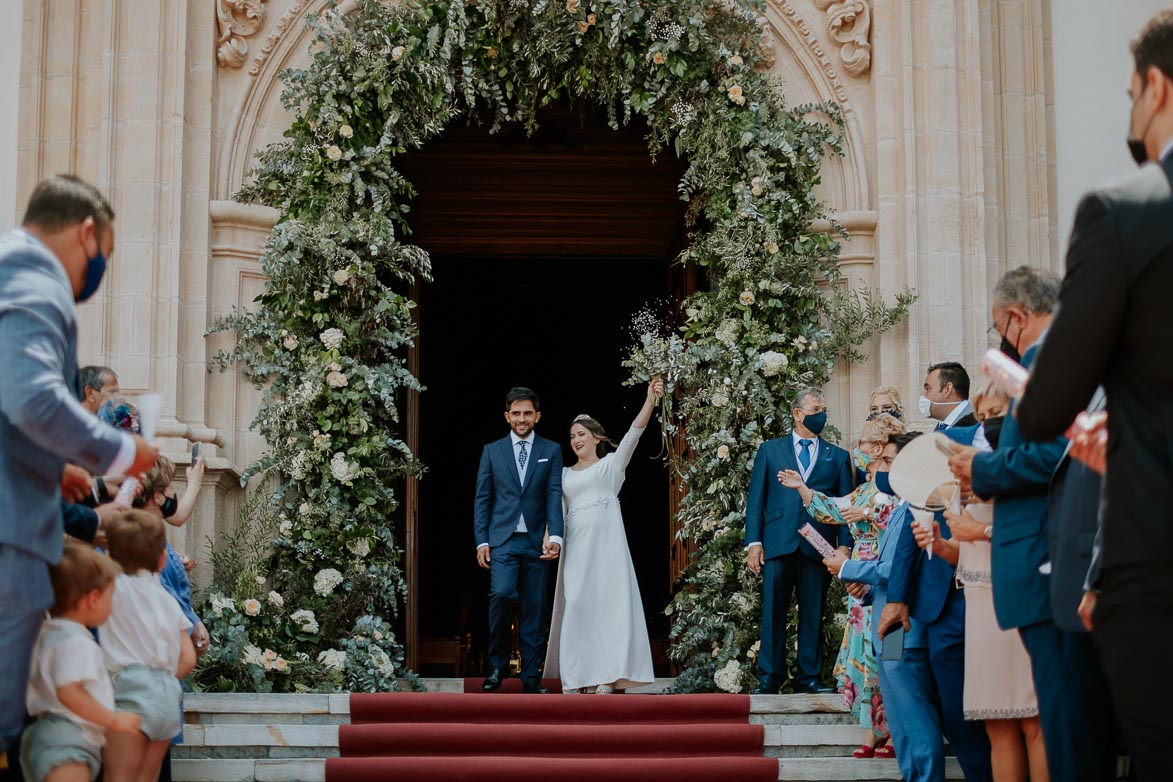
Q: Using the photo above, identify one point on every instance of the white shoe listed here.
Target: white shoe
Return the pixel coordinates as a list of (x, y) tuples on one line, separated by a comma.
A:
[(572, 691), (604, 689)]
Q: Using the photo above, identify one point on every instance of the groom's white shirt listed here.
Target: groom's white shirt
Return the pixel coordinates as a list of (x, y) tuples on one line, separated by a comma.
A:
[(529, 451)]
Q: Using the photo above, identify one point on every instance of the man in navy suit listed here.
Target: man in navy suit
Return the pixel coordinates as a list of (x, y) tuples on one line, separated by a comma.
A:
[(773, 515), (926, 590), (518, 501), (1017, 476)]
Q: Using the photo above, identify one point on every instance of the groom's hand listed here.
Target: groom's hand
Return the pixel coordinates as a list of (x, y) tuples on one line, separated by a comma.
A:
[(483, 557), (551, 550)]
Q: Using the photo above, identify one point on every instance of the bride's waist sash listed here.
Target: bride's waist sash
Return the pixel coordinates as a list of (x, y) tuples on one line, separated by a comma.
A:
[(597, 502)]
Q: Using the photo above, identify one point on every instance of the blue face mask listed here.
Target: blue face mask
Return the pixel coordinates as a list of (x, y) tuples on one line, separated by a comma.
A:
[(95, 270), (816, 422), (860, 459), (883, 485)]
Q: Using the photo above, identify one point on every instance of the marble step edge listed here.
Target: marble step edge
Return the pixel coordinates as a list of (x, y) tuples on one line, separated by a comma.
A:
[(327, 735), (339, 703), (302, 770)]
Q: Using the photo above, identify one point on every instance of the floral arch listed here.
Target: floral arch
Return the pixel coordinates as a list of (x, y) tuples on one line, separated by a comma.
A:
[(328, 339)]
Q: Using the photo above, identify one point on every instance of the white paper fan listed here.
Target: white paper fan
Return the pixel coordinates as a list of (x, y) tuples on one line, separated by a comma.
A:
[(921, 476)]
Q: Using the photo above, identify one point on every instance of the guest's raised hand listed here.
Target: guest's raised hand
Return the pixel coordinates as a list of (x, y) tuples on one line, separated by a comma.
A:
[(790, 479), (195, 472)]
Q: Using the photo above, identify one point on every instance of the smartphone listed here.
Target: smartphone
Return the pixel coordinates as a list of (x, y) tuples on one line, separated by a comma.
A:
[(893, 645), (195, 452)]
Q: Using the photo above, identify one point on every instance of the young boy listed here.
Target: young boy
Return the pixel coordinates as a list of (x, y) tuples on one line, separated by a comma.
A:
[(148, 648), (69, 690)]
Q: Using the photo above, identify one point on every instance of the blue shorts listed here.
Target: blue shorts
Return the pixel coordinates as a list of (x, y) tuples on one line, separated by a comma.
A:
[(155, 696), (53, 741)]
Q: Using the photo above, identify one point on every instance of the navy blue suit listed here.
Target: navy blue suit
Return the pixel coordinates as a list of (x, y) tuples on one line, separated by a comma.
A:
[(930, 590), (773, 514), (516, 569)]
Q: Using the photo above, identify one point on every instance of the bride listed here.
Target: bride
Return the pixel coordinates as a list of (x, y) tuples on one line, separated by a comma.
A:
[(598, 635)]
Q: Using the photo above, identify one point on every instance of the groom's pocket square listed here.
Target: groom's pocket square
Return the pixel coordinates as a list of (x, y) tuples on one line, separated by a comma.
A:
[(542, 460)]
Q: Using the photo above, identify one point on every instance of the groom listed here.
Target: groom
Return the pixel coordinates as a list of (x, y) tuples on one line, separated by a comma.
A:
[(519, 498)]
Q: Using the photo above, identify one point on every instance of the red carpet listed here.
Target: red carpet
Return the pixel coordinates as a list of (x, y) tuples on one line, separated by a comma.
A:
[(499, 737)]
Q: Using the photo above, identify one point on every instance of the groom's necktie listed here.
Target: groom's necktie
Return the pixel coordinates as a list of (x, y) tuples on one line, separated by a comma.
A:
[(521, 457), (804, 458)]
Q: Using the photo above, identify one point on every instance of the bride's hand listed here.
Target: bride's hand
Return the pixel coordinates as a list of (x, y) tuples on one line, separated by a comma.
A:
[(655, 389)]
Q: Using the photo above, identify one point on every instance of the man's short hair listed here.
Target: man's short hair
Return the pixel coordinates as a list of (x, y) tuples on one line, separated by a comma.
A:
[(135, 539), (521, 394), (810, 392), (94, 376), (1153, 45), (952, 372), (901, 440), (80, 571), (63, 200), (1034, 290)]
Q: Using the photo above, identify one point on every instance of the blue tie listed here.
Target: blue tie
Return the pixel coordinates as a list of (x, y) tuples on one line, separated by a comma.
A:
[(521, 457), (942, 426), (804, 458)]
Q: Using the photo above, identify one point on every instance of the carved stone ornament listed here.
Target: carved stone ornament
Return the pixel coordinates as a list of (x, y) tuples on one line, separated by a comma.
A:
[(849, 24), (237, 20)]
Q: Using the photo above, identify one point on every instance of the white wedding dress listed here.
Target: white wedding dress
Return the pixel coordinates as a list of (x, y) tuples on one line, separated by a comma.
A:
[(598, 634)]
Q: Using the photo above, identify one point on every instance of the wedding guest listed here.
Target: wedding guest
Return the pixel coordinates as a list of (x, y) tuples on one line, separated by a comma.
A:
[(946, 396), (598, 633), (886, 400), (1017, 476), (69, 691), (998, 684), (55, 259), (98, 385), (1112, 329), (911, 704), (865, 512), (774, 549), (147, 641)]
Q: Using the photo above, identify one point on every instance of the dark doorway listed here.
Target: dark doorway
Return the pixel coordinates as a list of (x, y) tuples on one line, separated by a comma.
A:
[(543, 249)]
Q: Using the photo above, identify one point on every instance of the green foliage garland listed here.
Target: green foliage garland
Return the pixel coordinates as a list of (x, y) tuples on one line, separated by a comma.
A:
[(328, 341)]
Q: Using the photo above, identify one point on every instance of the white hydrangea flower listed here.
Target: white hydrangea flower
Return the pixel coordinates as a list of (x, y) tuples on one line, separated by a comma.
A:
[(332, 338), (334, 659), (305, 509), (360, 548), (276, 599), (290, 341), (222, 604), (306, 620), (727, 332), (285, 528), (397, 53), (747, 298), (252, 607), (343, 471), (333, 152), (719, 398), (773, 362), (322, 440), (727, 678), (777, 287), (326, 580)]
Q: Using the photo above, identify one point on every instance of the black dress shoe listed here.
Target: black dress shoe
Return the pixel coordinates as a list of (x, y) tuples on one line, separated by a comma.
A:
[(492, 681), (812, 688), (533, 687)]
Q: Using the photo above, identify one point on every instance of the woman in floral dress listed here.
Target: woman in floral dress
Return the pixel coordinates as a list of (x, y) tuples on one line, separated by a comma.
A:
[(866, 511)]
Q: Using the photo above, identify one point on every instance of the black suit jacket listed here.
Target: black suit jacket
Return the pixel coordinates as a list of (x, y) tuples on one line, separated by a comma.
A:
[(1112, 328)]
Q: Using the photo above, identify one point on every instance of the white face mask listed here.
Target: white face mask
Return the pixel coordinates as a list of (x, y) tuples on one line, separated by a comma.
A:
[(925, 405)]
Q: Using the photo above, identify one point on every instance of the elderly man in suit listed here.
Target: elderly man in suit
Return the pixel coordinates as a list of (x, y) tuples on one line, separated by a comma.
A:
[(910, 701), (55, 259), (788, 564), (1112, 329)]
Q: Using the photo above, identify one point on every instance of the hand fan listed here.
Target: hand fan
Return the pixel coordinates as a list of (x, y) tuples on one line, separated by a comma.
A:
[(921, 476)]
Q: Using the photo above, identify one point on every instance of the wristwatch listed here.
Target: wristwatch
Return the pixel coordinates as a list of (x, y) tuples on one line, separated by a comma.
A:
[(989, 532)]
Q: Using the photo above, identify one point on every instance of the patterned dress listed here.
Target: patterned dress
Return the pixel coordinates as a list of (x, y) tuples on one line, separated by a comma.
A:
[(855, 668)]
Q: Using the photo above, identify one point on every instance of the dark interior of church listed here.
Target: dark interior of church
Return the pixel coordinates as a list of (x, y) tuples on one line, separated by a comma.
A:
[(543, 247)]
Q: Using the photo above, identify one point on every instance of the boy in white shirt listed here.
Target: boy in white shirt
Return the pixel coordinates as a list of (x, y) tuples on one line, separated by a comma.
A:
[(148, 648), (69, 690)]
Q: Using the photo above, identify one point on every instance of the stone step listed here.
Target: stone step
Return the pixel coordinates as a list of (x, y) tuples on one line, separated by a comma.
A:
[(850, 770), (216, 770)]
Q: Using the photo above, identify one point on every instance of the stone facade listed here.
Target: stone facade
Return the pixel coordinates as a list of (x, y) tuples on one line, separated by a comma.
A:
[(949, 175)]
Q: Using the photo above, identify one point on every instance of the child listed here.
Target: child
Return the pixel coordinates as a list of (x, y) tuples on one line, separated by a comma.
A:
[(69, 690), (148, 648)]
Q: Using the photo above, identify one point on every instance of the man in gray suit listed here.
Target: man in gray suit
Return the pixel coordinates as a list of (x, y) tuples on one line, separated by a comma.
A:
[(56, 258)]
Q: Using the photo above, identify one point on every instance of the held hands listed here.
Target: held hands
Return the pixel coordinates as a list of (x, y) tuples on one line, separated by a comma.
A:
[(755, 557), (126, 722), (550, 550)]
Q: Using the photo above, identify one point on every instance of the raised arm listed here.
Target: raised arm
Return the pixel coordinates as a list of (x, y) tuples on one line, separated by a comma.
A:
[(195, 480), (627, 445)]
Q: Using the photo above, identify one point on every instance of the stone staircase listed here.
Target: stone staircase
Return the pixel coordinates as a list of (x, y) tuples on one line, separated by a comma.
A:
[(286, 738)]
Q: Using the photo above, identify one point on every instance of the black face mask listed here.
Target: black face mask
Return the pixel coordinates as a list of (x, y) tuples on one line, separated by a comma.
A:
[(1008, 348), (993, 430), (169, 506), (1138, 152)]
